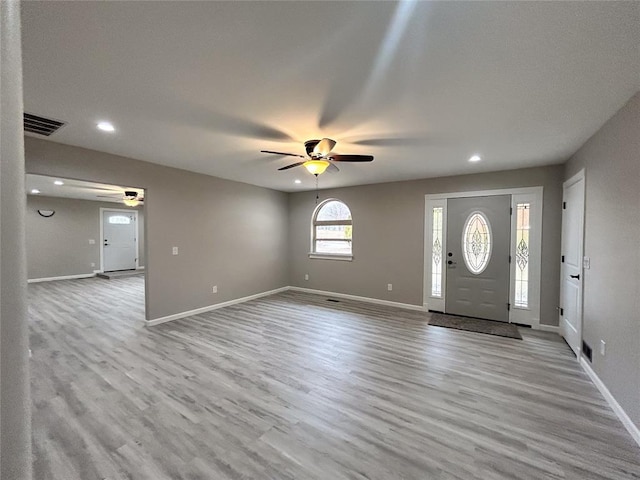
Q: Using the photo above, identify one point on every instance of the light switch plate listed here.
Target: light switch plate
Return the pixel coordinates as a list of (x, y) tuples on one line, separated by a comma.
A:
[(92, 241), (175, 250), (586, 263)]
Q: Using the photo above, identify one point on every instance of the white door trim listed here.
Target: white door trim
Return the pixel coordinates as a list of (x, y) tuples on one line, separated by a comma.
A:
[(579, 176), (533, 195), (135, 213)]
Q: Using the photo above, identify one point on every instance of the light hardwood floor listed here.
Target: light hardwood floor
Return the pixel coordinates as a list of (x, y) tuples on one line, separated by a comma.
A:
[(295, 387)]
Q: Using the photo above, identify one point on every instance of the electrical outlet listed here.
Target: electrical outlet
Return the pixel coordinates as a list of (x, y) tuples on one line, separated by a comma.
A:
[(214, 289), (603, 347), (92, 241), (175, 250), (93, 264), (306, 276), (389, 287)]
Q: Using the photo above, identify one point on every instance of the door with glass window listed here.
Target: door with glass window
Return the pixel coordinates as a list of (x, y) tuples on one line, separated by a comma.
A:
[(119, 232), (477, 258)]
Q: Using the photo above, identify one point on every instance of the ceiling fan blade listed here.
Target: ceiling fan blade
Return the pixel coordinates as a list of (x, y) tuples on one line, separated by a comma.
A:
[(324, 146), (283, 153), (351, 158), (292, 165), (392, 142), (239, 126), (105, 189), (333, 168)]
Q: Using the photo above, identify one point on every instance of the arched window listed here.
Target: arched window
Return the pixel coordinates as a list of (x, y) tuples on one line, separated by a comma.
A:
[(332, 229)]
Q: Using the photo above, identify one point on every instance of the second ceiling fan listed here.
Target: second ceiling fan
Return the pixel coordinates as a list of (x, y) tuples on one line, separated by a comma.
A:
[(319, 156)]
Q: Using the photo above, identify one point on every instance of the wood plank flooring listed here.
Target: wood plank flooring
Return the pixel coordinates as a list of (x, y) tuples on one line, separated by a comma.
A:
[(293, 386)]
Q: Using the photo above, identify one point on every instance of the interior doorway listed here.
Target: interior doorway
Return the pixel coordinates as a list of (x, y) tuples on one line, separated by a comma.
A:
[(66, 225)]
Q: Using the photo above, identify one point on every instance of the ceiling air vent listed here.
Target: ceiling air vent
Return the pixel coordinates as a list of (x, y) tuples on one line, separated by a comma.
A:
[(41, 125)]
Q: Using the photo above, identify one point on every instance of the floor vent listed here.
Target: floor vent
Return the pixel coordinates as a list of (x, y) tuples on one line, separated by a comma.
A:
[(586, 350), (333, 300), (41, 125)]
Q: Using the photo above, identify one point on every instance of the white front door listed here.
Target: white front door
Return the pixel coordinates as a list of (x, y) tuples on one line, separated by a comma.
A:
[(571, 268), (119, 239), (477, 258)]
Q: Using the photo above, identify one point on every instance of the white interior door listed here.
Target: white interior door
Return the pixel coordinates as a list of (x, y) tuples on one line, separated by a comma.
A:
[(478, 248), (119, 240), (571, 268)]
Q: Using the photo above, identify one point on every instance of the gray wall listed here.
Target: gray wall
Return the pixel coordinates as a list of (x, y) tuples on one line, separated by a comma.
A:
[(611, 159), (388, 232), (15, 406), (229, 234), (59, 245)]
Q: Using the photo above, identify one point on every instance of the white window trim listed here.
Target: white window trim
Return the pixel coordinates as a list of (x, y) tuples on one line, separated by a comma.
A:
[(322, 255), (331, 256), (531, 195)]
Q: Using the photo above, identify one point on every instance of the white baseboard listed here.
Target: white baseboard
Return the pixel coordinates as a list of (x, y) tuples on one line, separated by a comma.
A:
[(65, 277), (549, 328), (208, 308), (631, 427), (377, 301)]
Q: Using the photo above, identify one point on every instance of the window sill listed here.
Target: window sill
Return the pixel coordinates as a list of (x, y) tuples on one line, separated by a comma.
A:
[(331, 256)]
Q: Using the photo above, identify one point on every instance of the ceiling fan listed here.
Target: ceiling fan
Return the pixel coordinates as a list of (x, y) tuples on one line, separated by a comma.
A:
[(129, 197), (319, 156)]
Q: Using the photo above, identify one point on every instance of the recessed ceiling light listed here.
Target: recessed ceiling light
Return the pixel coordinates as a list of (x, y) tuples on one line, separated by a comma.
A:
[(106, 127), (58, 182), (297, 181), (35, 191), (475, 158)]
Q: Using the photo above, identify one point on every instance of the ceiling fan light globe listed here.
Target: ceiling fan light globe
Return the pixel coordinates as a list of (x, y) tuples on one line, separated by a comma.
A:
[(316, 167), (131, 202)]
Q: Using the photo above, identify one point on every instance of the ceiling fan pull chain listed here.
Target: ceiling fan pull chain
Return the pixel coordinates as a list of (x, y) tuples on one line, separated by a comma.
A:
[(317, 196)]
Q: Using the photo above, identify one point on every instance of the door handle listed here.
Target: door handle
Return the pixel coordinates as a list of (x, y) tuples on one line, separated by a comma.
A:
[(577, 277)]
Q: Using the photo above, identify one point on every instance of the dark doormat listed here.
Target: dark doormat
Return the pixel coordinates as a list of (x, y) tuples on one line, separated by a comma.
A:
[(490, 327), (121, 274)]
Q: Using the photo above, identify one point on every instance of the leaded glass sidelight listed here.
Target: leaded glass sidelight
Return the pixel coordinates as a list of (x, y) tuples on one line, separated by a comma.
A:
[(436, 253), (476, 243), (522, 255)]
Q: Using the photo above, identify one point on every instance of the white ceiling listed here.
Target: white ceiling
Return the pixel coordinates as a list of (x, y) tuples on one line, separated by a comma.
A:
[(204, 86), (78, 189)]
